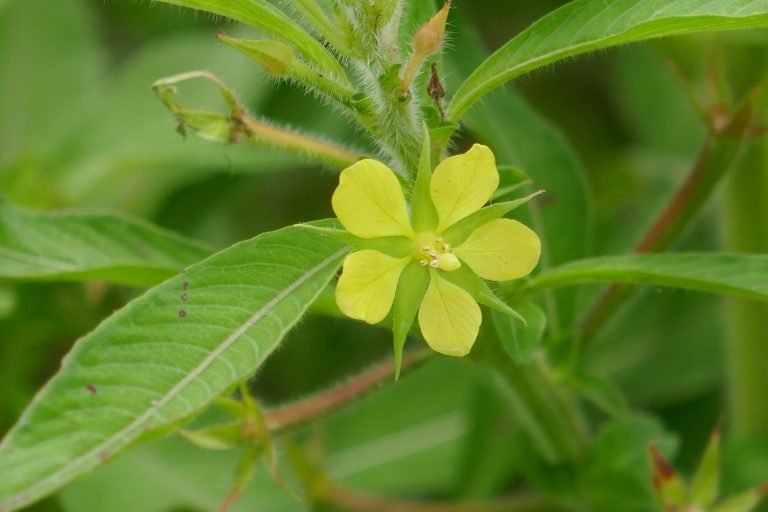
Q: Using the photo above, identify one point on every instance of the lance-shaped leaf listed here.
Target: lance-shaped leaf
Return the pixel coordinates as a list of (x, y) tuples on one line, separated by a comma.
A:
[(164, 357), (706, 480), (81, 246), (265, 16), (582, 26), (743, 275), (744, 502), (667, 484)]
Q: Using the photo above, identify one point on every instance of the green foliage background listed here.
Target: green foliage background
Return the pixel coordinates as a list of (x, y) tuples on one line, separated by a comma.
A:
[(79, 127)]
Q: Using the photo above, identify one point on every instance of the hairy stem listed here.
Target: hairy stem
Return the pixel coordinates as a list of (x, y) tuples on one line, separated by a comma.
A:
[(303, 411), (546, 412)]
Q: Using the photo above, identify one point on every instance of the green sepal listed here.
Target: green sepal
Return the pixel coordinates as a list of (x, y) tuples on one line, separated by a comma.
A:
[(410, 291), (706, 480), (511, 179), (424, 215), (668, 487), (744, 502), (394, 246), (480, 291), (457, 233), (222, 436), (518, 339)]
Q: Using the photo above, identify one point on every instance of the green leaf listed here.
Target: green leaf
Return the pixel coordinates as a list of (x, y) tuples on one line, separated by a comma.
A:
[(744, 502), (517, 338), (587, 25), (264, 16), (163, 358), (706, 480), (743, 275), (88, 246), (410, 292)]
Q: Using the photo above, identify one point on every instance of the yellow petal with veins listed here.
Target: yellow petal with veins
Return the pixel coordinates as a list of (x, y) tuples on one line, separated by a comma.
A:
[(462, 184), (366, 288), (449, 317), (501, 250), (369, 201)]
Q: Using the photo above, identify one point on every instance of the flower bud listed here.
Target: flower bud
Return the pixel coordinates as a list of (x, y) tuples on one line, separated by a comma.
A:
[(428, 40), (429, 37)]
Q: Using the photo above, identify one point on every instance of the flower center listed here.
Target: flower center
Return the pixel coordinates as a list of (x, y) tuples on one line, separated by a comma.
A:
[(431, 250)]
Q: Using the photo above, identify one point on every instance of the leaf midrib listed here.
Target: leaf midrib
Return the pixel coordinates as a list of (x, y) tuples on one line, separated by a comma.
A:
[(126, 435)]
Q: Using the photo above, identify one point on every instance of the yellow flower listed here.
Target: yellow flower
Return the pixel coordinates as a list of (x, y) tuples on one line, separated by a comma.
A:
[(370, 204)]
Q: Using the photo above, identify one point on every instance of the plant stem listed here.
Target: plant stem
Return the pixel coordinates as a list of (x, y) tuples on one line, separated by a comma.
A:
[(721, 150), (746, 225), (303, 411), (359, 502), (547, 413)]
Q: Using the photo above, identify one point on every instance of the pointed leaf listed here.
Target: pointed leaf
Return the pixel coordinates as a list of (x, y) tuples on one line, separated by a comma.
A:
[(706, 480), (587, 25), (743, 275), (410, 291), (89, 246), (163, 358), (744, 502), (264, 16), (667, 485)]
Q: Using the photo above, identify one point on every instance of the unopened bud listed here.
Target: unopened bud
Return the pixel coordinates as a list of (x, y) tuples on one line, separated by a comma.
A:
[(429, 38), (274, 57)]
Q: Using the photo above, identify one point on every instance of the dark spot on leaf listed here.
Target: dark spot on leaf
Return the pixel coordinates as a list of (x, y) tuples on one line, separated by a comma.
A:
[(762, 489), (141, 249), (182, 313), (104, 456), (185, 285), (71, 422), (91, 388), (184, 296)]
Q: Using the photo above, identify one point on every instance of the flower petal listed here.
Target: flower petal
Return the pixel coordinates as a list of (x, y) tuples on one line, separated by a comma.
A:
[(369, 201), (501, 250), (449, 317), (366, 288), (462, 184)]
